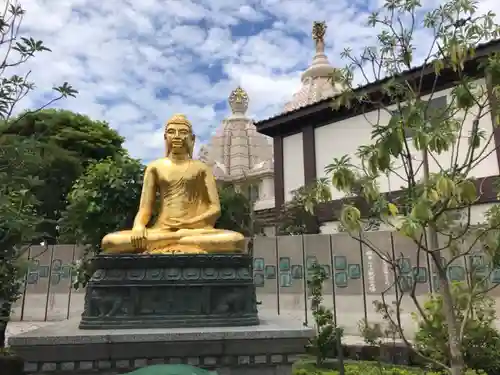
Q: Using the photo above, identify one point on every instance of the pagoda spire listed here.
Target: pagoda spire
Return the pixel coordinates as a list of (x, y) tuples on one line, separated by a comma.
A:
[(318, 35), (316, 79)]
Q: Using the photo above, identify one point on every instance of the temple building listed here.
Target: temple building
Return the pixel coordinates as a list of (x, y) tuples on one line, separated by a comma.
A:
[(242, 157), (309, 134)]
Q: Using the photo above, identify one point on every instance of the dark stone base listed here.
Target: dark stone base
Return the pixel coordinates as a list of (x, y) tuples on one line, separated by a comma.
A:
[(11, 365), (167, 291)]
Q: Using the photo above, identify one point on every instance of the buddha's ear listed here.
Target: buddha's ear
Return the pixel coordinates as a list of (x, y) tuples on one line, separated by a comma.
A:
[(191, 145)]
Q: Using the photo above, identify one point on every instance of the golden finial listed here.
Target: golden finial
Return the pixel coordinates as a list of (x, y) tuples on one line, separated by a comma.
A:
[(239, 95), (318, 34), (179, 118), (238, 100), (319, 30)]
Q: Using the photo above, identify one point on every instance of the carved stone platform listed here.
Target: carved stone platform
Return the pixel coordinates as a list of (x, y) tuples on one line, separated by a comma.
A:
[(63, 349), (164, 291)]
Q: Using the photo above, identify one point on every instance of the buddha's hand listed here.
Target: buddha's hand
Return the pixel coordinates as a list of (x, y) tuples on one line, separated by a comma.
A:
[(138, 238), (184, 223), (176, 223)]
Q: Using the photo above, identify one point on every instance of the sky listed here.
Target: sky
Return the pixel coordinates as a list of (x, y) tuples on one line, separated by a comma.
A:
[(137, 62)]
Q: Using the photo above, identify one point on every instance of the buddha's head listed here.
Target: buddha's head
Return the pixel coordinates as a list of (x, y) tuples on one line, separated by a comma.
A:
[(179, 137)]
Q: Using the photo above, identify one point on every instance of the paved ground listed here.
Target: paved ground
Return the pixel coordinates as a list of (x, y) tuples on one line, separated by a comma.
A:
[(16, 328)]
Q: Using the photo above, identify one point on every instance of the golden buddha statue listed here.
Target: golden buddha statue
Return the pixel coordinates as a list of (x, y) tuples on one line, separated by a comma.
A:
[(189, 204)]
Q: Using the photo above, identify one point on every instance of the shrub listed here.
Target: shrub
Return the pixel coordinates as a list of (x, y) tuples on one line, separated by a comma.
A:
[(324, 344), (481, 340), (361, 368), (370, 368)]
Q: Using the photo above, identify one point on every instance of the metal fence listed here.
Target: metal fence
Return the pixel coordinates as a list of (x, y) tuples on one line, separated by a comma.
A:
[(356, 277), (47, 293)]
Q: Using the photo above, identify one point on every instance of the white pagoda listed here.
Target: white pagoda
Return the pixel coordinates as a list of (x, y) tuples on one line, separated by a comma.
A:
[(241, 156)]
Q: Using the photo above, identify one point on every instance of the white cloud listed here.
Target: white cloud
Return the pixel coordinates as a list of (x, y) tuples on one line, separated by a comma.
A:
[(135, 63)]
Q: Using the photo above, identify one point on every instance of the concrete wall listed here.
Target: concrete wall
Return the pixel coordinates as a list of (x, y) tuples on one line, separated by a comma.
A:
[(357, 277), (48, 293)]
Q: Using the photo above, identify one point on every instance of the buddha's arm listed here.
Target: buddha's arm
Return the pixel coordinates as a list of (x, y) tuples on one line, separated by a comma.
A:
[(148, 197), (213, 211)]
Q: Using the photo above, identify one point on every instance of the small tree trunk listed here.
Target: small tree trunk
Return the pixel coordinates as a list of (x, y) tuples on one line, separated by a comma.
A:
[(3, 334), (457, 364), (4, 319)]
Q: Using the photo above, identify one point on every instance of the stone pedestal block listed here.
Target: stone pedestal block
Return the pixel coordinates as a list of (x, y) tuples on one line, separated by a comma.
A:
[(155, 291), (63, 349)]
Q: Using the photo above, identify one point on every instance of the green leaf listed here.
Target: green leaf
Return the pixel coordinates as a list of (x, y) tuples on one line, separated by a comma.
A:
[(445, 187), (350, 218), (467, 191), (393, 209), (410, 227), (438, 66)]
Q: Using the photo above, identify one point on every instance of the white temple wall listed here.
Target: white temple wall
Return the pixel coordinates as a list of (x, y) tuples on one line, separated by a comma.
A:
[(293, 164), (266, 193), (267, 188), (344, 137), (477, 215)]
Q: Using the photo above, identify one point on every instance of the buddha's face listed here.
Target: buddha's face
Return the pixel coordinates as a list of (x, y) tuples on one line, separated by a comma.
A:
[(179, 139)]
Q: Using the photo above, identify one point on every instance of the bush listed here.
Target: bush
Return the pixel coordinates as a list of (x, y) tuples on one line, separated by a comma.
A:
[(359, 368), (326, 341), (367, 368), (481, 341)]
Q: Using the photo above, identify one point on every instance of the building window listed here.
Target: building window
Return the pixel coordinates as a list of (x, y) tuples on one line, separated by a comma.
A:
[(436, 105)]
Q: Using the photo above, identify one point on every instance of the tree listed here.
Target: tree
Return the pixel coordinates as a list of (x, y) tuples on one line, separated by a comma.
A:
[(17, 50), (68, 143), (408, 132), (235, 211), (297, 216), (103, 200), (17, 202), (17, 221)]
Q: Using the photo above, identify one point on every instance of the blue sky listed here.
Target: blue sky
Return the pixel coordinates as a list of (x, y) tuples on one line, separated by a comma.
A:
[(136, 62)]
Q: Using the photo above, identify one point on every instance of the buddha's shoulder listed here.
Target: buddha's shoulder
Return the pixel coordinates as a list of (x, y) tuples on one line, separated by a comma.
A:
[(163, 162), (200, 166), (155, 164)]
